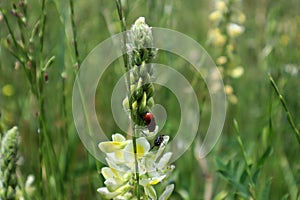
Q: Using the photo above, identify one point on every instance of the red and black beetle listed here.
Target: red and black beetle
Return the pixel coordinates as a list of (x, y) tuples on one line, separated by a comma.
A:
[(150, 121)]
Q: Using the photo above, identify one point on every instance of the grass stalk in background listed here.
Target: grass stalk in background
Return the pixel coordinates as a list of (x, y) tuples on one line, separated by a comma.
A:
[(208, 177), (71, 3), (45, 140), (35, 70), (246, 160), (77, 67), (288, 114)]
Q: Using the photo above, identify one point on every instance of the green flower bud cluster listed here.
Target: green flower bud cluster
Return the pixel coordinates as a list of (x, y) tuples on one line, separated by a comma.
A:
[(140, 55), (8, 155)]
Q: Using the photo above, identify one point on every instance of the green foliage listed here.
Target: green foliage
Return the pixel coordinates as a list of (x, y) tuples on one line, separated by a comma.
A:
[(257, 159)]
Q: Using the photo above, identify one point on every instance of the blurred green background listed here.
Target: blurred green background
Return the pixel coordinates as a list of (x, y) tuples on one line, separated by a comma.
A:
[(270, 44)]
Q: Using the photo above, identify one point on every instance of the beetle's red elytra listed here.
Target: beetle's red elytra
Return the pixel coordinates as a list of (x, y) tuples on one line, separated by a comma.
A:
[(150, 121)]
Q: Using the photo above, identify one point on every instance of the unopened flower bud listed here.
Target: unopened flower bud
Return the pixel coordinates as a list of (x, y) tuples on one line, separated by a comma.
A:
[(134, 106), (241, 18), (64, 75), (150, 102), (215, 16), (17, 65), (234, 30), (221, 60), (140, 82), (221, 6), (125, 104), (143, 103)]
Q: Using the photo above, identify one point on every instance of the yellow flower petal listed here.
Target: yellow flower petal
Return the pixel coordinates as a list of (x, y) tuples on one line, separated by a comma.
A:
[(110, 147), (142, 147), (157, 180)]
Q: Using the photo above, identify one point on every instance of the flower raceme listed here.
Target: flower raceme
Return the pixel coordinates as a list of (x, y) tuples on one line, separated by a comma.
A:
[(119, 175), (140, 55), (133, 165), (227, 21)]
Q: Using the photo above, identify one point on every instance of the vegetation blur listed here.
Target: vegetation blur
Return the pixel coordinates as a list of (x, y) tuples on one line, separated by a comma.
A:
[(256, 45)]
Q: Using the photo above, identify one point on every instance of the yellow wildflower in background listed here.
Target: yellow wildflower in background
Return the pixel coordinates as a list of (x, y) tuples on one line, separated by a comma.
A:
[(8, 90)]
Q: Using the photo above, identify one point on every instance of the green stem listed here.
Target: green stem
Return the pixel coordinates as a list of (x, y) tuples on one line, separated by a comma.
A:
[(78, 64), (137, 177), (270, 118), (41, 35), (74, 33), (45, 140), (14, 40), (47, 157), (51, 159), (288, 114), (9, 28), (127, 67), (252, 185), (39, 97), (40, 177), (67, 40), (125, 55), (65, 130), (123, 28)]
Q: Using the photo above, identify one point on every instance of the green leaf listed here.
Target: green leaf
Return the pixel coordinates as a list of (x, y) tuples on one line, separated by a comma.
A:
[(266, 190), (183, 194), (265, 155), (236, 170), (229, 165), (285, 197), (255, 175), (243, 176), (167, 192), (221, 195), (224, 174), (219, 163), (243, 191)]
